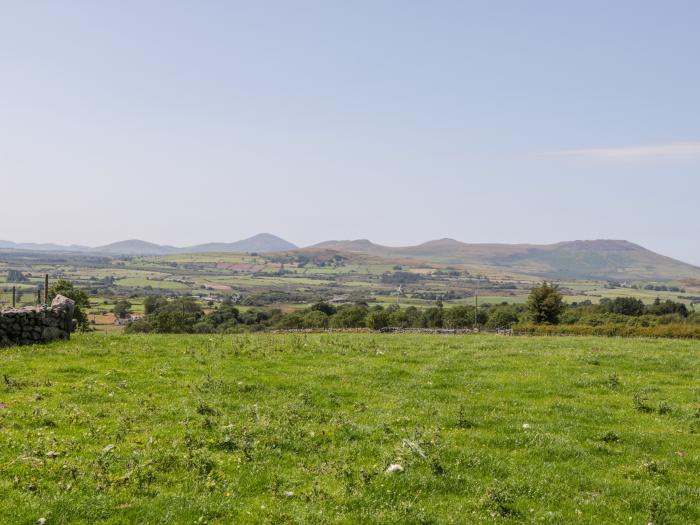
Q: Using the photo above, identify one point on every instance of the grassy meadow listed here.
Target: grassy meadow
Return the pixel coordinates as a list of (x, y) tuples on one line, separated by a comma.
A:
[(294, 428)]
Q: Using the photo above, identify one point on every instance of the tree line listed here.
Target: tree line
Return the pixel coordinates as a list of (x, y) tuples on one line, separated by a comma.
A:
[(545, 306)]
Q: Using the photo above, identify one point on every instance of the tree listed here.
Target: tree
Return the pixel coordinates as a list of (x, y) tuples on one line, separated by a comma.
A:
[(624, 305), (378, 318), (15, 276), (432, 317), (122, 308), (152, 303), (458, 317), (502, 317), (67, 289), (177, 317), (324, 307), (349, 317), (545, 304), (315, 319)]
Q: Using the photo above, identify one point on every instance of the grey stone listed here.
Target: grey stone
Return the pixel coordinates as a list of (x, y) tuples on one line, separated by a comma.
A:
[(30, 325)]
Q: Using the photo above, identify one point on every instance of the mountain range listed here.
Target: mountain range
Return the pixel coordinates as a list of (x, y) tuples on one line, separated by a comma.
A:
[(596, 259), (263, 242), (593, 259)]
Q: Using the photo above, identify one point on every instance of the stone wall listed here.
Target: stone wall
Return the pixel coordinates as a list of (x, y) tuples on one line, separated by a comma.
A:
[(37, 324)]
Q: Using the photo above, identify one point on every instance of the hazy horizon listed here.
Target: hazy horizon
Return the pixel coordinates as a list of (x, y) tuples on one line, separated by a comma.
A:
[(301, 246), (396, 122)]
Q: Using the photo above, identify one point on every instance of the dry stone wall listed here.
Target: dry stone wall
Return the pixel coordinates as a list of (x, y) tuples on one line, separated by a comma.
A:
[(37, 324)]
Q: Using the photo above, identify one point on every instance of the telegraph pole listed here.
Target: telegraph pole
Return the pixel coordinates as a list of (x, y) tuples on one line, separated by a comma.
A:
[(476, 303)]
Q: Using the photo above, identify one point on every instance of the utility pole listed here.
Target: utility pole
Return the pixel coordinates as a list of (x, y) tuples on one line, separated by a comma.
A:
[(476, 303)]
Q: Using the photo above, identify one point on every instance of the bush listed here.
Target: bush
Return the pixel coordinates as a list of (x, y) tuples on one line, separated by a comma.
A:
[(501, 317), (315, 319), (673, 330), (350, 317), (67, 289)]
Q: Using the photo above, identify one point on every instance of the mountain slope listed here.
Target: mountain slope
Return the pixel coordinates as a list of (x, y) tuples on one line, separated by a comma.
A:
[(135, 247), (597, 259), (263, 242), (43, 247)]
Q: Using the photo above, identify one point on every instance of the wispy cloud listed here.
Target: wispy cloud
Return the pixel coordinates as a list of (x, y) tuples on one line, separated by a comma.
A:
[(679, 150)]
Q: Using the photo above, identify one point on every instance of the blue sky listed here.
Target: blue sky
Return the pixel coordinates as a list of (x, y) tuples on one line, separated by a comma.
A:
[(398, 121)]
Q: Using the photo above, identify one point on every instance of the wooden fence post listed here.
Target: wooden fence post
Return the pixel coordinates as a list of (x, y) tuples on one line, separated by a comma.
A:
[(38, 296), (46, 289), (14, 296)]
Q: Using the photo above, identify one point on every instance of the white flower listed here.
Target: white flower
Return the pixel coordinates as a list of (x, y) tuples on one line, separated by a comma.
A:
[(526, 425)]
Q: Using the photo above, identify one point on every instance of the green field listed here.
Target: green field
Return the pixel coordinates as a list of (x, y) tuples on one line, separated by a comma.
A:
[(301, 429)]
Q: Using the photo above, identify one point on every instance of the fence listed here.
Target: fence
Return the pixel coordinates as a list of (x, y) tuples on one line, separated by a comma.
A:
[(40, 289)]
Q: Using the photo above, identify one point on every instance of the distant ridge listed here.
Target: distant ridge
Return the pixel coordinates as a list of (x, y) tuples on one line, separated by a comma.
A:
[(43, 247), (263, 242), (602, 259), (135, 247), (591, 259)]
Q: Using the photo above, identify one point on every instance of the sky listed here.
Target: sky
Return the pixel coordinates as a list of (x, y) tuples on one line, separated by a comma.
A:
[(398, 121)]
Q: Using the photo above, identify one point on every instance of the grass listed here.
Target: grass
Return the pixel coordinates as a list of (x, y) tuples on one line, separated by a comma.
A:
[(301, 429)]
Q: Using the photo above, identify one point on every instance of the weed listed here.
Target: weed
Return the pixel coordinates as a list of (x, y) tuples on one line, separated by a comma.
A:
[(664, 408), (204, 409), (654, 467), (639, 401), (462, 420), (11, 383), (500, 498), (610, 437)]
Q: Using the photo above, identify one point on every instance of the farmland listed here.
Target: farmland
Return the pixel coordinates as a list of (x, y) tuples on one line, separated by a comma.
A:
[(295, 280), (302, 428)]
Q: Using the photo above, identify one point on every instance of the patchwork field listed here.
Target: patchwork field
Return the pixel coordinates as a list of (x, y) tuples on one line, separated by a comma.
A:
[(303, 428), (296, 280)]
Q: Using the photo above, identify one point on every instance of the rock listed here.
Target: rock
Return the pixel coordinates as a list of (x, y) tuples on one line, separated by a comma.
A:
[(51, 332), (30, 325), (63, 305), (394, 468)]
